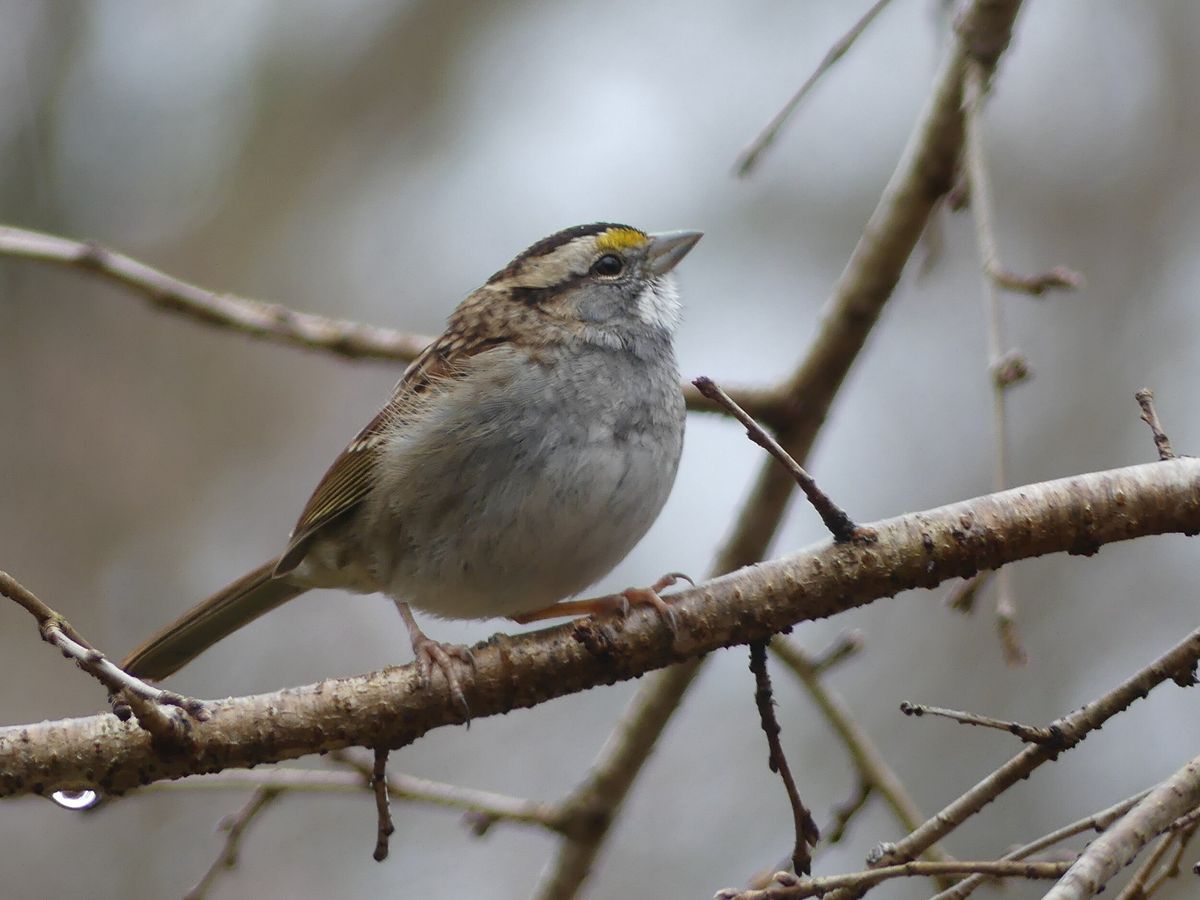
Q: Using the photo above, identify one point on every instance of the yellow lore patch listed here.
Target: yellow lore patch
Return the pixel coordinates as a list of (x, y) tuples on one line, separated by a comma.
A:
[(620, 239)]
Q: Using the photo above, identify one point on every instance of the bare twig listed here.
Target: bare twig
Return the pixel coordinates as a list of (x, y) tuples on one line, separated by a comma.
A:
[(869, 762), (1145, 399), (1026, 733), (1172, 867), (144, 699), (839, 524), (234, 827), (806, 831), (1095, 822), (1072, 729), (273, 322), (792, 888), (847, 645), (962, 594), (379, 785), (749, 157), (268, 321), (1186, 822), (1007, 369), (1138, 886), (1060, 277), (479, 806), (1105, 856), (843, 813), (1006, 622)]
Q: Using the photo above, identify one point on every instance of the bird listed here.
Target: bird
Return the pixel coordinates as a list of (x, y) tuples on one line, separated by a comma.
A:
[(521, 456)]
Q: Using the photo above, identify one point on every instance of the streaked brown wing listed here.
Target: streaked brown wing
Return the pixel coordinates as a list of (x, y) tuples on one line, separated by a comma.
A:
[(348, 480)]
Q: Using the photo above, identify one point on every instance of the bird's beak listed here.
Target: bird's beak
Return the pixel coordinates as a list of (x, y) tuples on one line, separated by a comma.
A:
[(667, 249)]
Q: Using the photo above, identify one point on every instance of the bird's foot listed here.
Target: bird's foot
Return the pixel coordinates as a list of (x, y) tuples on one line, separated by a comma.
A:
[(613, 604), (430, 653)]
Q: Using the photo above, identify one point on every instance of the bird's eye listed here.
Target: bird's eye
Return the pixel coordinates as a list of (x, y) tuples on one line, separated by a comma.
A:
[(609, 264)]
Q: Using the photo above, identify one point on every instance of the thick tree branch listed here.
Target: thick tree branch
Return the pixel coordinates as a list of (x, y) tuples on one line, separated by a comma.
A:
[(390, 709)]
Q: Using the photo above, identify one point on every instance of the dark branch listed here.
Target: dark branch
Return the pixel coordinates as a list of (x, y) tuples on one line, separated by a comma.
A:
[(839, 524), (807, 833)]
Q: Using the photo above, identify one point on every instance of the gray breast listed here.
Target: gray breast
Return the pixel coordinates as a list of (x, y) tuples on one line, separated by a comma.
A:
[(525, 483)]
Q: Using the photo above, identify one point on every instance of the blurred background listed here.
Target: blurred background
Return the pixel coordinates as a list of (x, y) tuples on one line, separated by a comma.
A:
[(376, 161)]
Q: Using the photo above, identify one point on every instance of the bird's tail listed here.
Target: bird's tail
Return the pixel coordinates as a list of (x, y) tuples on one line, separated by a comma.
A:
[(203, 625)]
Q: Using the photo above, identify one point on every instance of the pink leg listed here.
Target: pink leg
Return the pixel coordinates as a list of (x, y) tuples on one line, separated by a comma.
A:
[(432, 653), (612, 603)]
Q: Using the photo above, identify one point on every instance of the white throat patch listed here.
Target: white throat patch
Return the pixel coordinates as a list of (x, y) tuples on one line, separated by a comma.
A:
[(658, 305)]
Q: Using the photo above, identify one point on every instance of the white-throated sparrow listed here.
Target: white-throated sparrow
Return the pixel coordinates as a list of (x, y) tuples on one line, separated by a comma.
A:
[(521, 456)]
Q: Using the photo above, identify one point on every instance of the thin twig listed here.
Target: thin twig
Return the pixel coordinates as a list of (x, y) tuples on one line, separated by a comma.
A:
[(749, 157), (1097, 821), (1137, 887), (792, 888), (869, 762), (57, 631), (844, 812), (268, 321), (1183, 823), (979, 185), (1004, 373), (1027, 733), (962, 594), (1172, 868), (1006, 622), (1073, 728), (1117, 847), (806, 830), (839, 524), (481, 809), (276, 323), (379, 785), (1162, 443), (847, 645), (476, 804), (235, 827)]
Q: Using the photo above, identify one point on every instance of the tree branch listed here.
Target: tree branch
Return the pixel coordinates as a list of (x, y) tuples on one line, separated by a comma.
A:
[(1105, 856), (141, 699), (1177, 664), (276, 323), (924, 174), (1097, 821), (750, 157), (795, 888), (390, 708), (869, 761)]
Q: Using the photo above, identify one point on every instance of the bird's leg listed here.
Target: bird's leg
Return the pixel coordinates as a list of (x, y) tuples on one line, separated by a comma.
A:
[(613, 603), (432, 653)]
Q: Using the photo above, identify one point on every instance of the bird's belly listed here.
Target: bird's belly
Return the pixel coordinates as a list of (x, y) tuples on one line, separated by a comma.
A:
[(516, 533)]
